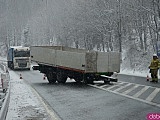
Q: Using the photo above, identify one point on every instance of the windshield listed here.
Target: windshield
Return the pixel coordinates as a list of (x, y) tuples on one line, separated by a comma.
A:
[(22, 53)]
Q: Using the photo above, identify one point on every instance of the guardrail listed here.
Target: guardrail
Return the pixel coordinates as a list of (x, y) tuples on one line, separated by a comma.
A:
[(4, 91)]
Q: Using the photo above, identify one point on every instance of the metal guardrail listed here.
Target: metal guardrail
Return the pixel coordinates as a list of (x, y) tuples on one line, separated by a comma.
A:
[(4, 91)]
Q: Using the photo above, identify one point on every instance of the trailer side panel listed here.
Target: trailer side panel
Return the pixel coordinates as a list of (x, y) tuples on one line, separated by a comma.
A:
[(72, 60)]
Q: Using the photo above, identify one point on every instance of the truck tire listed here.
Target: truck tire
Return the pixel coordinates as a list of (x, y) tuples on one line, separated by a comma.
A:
[(87, 80), (51, 77), (78, 77), (12, 66), (106, 82), (77, 80), (61, 77), (8, 64)]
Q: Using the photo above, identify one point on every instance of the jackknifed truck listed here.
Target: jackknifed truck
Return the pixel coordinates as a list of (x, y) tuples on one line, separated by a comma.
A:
[(59, 63)]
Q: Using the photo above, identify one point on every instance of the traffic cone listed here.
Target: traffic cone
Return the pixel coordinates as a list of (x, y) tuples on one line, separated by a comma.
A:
[(147, 78), (44, 77), (21, 76)]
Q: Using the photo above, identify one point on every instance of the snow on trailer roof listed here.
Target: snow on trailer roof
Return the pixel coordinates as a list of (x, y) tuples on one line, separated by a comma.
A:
[(20, 47)]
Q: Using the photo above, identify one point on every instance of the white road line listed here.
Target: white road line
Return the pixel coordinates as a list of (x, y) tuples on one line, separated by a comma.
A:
[(152, 95), (129, 90), (141, 91), (119, 82), (122, 87), (115, 85), (104, 86), (135, 96), (148, 102)]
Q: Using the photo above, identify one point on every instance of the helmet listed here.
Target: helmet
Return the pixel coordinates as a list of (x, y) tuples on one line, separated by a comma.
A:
[(154, 55)]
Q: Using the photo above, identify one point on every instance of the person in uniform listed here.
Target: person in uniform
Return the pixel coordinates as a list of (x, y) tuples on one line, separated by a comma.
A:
[(154, 66)]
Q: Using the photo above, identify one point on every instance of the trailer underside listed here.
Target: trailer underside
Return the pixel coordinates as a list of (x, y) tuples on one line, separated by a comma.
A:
[(60, 74)]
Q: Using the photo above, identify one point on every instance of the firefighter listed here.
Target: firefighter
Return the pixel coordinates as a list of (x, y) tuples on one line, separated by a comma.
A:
[(154, 66)]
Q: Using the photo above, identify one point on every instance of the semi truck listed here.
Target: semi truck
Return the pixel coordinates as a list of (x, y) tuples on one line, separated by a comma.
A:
[(59, 63), (19, 57)]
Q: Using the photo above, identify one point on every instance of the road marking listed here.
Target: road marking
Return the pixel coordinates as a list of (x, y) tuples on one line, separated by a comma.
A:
[(152, 95), (141, 91), (129, 90), (105, 86), (135, 98), (123, 87), (148, 100), (116, 85)]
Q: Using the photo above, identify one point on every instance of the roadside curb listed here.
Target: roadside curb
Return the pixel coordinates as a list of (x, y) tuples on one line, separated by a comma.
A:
[(6, 90), (52, 114), (5, 105)]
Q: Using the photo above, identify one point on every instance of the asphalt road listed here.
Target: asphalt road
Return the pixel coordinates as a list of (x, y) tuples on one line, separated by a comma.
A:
[(73, 101), (138, 80)]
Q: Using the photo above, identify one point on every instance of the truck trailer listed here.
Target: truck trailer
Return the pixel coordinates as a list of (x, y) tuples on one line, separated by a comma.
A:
[(59, 62), (19, 57)]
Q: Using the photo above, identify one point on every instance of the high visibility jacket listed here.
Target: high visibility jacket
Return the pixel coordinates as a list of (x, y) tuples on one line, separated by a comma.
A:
[(155, 64), (159, 64)]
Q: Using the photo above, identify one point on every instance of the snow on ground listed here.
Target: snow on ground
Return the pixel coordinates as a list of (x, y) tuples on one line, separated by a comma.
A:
[(25, 103)]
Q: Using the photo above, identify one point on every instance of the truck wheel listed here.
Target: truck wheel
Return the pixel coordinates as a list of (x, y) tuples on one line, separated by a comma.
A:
[(12, 66), (8, 65), (77, 80), (106, 82), (87, 80), (61, 77), (51, 77)]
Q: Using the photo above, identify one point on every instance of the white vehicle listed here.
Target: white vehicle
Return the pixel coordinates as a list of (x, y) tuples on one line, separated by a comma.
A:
[(19, 57)]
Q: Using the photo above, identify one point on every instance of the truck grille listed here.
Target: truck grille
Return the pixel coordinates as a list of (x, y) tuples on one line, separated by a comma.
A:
[(22, 64)]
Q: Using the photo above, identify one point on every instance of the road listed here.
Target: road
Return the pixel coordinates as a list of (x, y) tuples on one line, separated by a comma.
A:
[(131, 98)]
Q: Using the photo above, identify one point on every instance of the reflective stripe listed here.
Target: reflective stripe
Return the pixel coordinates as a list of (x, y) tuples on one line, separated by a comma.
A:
[(159, 64)]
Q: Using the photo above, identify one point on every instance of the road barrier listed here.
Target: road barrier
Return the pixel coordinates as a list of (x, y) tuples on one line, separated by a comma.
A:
[(4, 91)]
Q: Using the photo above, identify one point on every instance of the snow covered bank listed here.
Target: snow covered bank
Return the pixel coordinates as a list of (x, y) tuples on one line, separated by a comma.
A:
[(25, 103), (135, 73), (143, 73)]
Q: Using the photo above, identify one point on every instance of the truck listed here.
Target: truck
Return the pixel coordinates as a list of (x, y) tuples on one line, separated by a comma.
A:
[(59, 63), (18, 57)]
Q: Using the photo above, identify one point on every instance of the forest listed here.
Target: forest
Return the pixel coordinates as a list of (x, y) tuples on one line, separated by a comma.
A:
[(131, 27)]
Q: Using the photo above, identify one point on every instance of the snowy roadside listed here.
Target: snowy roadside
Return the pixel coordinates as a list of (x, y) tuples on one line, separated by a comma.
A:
[(25, 103), (138, 73), (135, 73)]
